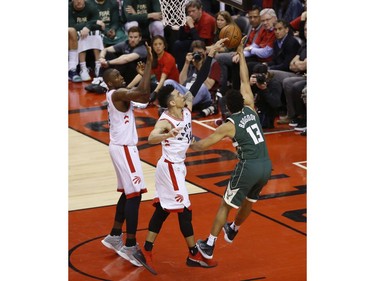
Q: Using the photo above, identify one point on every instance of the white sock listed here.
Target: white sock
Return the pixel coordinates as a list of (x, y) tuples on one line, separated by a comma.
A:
[(234, 227), (72, 59), (211, 240), (83, 65)]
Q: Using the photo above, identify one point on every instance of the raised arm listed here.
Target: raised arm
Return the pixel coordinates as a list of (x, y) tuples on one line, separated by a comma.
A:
[(244, 76), (203, 73), (140, 93), (225, 130)]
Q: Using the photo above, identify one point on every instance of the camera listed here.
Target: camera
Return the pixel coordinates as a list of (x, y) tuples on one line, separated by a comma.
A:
[(197, 56), (261, 78)]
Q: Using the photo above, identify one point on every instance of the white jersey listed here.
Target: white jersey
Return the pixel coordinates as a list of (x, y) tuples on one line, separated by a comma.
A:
[(122, 128), (170, 174), (174, 148)]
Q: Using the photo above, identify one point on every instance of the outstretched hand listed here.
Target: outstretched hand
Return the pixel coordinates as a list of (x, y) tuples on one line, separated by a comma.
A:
[(240, 46), (217, 46)]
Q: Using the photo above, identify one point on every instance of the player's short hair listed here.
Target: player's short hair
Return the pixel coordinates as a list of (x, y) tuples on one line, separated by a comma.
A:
[(164, 95), (107, 75), (235, 101)]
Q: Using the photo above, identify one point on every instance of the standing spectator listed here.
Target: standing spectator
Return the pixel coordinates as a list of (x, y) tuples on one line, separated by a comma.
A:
[(124, 56), (285, 47), (113, 32), (174, 131), (83, 22), (253, 170), (200, 25), (146, 14), (203, 102), (124, 154)]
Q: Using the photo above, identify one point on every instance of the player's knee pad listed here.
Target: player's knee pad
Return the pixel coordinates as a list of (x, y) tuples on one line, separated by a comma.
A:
[(157, 219), (184, 220)]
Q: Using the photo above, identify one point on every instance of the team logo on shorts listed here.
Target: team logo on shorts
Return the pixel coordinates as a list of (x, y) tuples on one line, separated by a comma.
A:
[(137, 180), (179, 198)]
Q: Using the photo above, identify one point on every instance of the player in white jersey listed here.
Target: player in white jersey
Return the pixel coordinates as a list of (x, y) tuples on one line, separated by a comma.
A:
[(124, 154), (173, 130)]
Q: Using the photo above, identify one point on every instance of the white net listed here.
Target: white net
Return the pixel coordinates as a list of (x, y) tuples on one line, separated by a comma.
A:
[(173, 12)]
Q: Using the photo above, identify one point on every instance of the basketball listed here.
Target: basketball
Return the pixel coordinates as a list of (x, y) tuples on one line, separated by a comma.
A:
[(233, 33)]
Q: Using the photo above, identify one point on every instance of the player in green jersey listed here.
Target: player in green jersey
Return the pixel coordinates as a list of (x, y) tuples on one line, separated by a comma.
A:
[(254, 167)]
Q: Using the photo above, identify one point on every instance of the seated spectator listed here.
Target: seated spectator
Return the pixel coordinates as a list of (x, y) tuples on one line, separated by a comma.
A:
[(200, 25), (163, 66), (267, 94), (226, 61), (288, 10), (84, 24), (285, 47), (203, 101), (124, 56), (261, 50), (293, 87), (113, 32), (298, 24), (223, 18), (146, 14), (297, 74)]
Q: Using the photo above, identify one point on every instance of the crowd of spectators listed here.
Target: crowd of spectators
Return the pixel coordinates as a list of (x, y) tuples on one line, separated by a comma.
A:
[(112, 33)]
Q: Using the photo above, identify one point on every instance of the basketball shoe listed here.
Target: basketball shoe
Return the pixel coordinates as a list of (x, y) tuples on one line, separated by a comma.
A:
[(145, 258), (113, 242), (200, 261), (127, 253), (229, 233), (206, 250)]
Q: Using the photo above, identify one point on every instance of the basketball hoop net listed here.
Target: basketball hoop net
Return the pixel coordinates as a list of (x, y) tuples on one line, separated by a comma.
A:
[(173, 12)]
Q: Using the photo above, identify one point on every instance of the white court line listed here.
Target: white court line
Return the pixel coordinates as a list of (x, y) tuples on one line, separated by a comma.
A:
[(202, 123), (299, 164)]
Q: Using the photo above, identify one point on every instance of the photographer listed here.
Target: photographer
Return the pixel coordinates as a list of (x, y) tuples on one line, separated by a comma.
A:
[(203, 101), (267, 94)]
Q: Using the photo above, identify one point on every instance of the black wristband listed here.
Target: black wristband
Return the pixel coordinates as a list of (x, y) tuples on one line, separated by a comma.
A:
[(108, 63)]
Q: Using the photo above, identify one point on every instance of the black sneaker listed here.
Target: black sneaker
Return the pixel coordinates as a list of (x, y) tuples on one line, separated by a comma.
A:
[(293, 122), (301, 126), (199, 261), (73, 76), (95, 88), (206, 250), (229, 233)]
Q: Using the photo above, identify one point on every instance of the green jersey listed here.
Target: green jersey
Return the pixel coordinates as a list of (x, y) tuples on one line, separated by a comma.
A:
[(249, 138)]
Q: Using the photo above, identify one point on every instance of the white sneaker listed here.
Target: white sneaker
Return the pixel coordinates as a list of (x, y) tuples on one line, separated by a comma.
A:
[(127, 253), (113, 242), (85, 76), (97, 80)]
